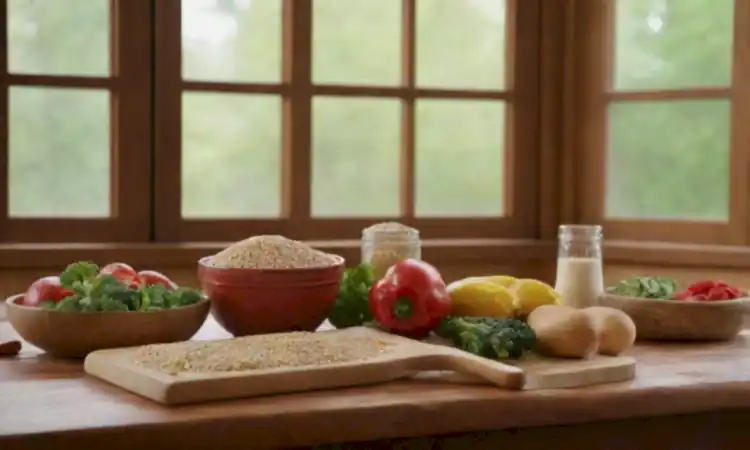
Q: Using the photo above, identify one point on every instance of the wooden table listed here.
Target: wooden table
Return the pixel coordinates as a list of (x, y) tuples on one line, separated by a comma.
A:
[(684, 397)]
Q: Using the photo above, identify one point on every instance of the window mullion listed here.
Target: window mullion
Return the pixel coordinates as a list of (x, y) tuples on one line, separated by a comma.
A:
[(297, 110), (167, 117), (739, 207), (522, 140), (130, 123), (408, 80), (4, 142), (593, 56)]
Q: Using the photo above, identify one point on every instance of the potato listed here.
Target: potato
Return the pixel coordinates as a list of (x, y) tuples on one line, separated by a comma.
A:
[(563, 331), (615, 330)]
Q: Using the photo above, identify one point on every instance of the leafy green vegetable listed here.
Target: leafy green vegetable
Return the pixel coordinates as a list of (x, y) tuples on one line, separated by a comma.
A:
[(488, 337), (78, 273), (645, 287), (352, 302), (103, 293)]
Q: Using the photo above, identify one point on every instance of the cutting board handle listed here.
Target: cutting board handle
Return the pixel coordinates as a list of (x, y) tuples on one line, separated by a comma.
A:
[(452, 359)]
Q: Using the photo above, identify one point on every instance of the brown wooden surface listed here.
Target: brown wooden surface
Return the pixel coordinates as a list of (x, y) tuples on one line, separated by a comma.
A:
[(54, 400), (708, 431)]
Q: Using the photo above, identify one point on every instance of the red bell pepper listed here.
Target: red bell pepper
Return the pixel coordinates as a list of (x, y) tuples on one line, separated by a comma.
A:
[(411, 299)]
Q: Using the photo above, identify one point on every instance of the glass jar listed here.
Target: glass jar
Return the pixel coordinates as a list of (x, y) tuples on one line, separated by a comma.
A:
[(580, 277), (385, 244)]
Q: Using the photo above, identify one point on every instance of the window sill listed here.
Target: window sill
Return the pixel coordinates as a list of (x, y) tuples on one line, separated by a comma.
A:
[(438, 251), (443, 251), (677, 255)]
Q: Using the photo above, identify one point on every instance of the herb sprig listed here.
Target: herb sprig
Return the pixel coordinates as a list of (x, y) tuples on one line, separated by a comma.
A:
[(352, 302)]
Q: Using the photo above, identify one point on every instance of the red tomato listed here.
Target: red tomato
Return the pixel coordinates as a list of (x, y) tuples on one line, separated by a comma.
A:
[(43, 289), (152, 277), (122, 273)]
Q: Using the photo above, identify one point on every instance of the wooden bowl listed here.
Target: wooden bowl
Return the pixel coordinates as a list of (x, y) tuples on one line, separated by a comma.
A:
[(683, 320), (258, 301), (76, 334)]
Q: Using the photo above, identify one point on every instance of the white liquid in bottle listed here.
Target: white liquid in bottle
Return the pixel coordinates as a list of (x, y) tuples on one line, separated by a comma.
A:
[(579, 281)]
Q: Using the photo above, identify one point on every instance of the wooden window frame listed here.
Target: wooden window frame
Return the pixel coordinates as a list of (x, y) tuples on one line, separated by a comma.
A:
[(129, 85), (298, 90), (593, 61), (560, 155)]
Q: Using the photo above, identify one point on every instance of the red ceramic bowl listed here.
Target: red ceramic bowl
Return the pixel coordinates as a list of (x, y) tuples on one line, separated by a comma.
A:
[(257, 301)]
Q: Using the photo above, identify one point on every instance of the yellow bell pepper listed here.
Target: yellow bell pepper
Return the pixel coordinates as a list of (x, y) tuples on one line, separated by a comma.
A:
[(480, 297), (531, 294)]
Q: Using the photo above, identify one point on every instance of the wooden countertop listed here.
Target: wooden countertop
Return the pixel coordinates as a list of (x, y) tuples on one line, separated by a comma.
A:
[(47, 401)]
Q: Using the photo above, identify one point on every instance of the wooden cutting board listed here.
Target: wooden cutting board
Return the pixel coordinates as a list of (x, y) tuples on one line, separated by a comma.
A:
[(402, 358), (554, 373), (550, 373)]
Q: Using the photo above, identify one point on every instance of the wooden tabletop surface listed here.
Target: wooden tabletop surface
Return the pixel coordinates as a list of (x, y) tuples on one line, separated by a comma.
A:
[(46, 401)]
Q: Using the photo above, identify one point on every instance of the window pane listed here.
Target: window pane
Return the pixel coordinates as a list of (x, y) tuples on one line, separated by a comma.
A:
[(461, 43), (58, 153), (231, 41), (58, 37), (459, 158), (231, 156), (675, 166), (356, 156), (673, 44), (357, 42)]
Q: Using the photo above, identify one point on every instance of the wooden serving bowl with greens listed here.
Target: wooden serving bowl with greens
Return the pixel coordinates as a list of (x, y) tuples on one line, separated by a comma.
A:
[(93, 311), (661, 312)]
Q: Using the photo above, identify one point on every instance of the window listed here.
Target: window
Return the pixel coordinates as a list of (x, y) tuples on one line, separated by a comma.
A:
[(210, 120), (314, 118), (663, 141), (75, 103), (306, 118)]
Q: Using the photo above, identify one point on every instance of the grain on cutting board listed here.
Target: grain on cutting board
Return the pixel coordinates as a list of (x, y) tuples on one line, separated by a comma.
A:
[(273, 351), (272, 252)]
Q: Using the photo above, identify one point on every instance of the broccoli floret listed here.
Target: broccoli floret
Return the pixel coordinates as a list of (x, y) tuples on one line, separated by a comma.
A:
[(77, 274), (181, 297), (70, 304), (488, 337), (93, 293)]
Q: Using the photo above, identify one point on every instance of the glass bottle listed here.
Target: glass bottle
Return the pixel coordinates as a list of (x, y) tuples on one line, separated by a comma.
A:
[(385, 244), (580, 278)]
